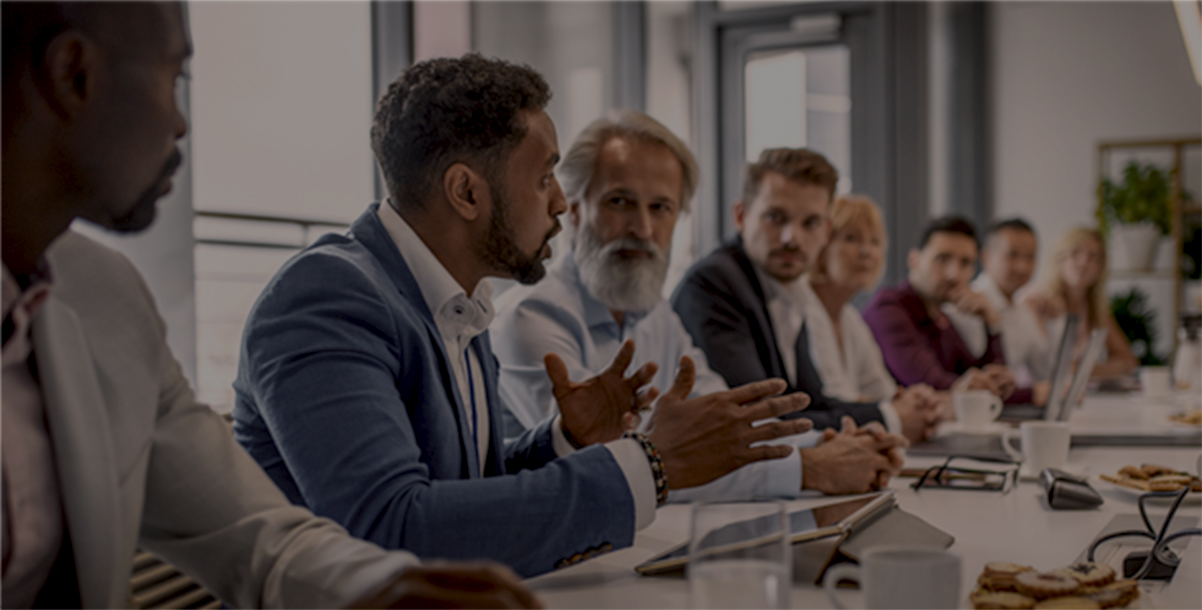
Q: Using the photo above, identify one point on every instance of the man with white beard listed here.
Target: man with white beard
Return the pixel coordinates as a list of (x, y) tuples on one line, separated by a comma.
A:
[(627, 179)]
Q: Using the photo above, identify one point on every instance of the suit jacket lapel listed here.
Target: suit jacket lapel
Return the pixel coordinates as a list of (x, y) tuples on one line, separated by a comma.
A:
[(496, 439), (371, 233), (760, 307), (80, 430)]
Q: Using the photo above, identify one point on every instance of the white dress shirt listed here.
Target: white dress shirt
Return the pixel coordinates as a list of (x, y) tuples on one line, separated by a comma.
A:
[(460, 319), (1027, 352), (788, 306), (855, 372), (559, 315)]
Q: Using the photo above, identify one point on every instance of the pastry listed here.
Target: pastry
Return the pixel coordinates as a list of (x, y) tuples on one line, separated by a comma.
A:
[(1154, 469), (1088, 573), (1165, 485), (1070, 601), (1133, 472), (1128, 588), (999, 575), (1042, 585), (1106, 598), (1001, 600)]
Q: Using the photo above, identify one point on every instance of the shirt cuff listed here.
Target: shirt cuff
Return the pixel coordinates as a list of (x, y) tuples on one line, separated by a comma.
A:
[(631, 458), (559, 441), (890, 417)]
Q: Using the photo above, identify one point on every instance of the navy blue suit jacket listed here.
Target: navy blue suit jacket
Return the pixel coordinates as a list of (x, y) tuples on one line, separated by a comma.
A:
[(346, 397)]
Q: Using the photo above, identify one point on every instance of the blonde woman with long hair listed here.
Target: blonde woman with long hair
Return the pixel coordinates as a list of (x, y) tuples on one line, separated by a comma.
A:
[(842, 348), (1074, 281)]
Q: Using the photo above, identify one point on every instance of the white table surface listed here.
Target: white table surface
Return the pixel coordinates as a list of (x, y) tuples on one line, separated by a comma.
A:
[(988, 526)]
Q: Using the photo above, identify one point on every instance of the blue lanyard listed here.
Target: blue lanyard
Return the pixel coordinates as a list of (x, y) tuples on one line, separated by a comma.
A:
[(471, 389)]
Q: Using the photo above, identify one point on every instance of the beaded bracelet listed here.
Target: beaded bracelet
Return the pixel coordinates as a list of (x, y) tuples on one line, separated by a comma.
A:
[(657, 466)]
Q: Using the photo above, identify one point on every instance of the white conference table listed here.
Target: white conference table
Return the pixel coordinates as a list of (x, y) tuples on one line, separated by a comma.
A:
[(1017, 526)]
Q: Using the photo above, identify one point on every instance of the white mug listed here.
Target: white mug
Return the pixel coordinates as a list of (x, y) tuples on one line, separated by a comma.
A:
[(901, 577), (976, 409), (1156, 381), (1045, 445)]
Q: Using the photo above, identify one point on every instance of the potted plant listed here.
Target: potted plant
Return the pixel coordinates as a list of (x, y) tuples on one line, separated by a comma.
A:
[(1136, 211)]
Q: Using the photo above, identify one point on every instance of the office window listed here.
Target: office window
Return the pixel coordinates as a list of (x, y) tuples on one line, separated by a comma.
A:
[(281, 111)]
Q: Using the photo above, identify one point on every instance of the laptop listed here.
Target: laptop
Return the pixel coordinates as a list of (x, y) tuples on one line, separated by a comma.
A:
[(1061, 402), (1061, 373)]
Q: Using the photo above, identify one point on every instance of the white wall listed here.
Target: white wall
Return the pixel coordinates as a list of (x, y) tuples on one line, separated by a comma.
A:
[(1068, 75)]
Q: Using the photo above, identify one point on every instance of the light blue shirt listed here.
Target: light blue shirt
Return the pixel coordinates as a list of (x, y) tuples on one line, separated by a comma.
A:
[(559, 315)]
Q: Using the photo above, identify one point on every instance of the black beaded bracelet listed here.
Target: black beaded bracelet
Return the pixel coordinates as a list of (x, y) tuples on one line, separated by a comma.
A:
[(657, 466)]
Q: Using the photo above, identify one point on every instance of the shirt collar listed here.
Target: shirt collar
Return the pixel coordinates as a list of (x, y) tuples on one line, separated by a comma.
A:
[(793, 292), (445, 298)]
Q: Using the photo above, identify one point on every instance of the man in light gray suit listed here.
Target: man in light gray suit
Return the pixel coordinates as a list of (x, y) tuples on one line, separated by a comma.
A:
[(104, 445)]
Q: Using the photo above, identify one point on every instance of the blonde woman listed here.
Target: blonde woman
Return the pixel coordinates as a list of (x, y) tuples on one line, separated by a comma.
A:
[(842, 347), (1074, 281)]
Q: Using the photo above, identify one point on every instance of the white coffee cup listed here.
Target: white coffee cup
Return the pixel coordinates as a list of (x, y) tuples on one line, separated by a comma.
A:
[(976, 409), (1156, 381), (1045, 445), (901, 577)]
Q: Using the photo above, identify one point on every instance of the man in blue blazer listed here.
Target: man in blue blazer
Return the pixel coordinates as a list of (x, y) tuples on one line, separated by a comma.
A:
[(367, 387)]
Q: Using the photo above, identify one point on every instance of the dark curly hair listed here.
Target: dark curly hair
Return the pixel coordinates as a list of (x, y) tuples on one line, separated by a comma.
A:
[(949, 224), (452, 110)]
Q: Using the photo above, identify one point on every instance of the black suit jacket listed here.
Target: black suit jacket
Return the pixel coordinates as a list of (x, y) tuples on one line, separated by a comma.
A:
[(722, 305)]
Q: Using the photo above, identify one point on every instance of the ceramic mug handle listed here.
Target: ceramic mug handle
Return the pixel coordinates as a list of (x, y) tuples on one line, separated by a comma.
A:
[(1011, 450), (843, 571), (995, 407)]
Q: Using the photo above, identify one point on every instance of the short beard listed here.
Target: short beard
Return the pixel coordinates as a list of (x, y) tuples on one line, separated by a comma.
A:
[(500, 249), (142, 214), (623, 284)]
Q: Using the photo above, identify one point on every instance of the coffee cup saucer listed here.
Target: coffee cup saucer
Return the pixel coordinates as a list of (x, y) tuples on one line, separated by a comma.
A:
[(993, 428)]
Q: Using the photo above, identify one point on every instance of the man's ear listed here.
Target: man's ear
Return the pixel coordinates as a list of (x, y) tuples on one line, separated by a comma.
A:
[(66, 77), (466, 191), (574, 213), (740, 211)]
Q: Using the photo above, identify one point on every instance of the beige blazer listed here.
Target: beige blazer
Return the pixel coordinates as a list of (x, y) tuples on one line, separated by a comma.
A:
[(140, 462)]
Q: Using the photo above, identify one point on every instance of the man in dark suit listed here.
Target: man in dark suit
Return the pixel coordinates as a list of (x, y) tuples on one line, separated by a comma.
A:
[(740, 303)]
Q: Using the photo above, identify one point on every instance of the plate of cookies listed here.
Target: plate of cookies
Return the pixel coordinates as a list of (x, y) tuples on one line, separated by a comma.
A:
[(1015, 586), (1138, 480)]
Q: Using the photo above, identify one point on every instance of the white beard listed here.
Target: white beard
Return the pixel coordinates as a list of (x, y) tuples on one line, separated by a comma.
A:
[(624, 284)]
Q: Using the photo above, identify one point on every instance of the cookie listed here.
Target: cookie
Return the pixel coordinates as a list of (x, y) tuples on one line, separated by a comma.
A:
[(1070, 601), (1042, 585), (1155, 469), (1128, 588), (1195, 485), (1165, 486), (1001, 600), (1088, 573), (1140, 484), (1106, 598), (1133, 472), (999, 575)]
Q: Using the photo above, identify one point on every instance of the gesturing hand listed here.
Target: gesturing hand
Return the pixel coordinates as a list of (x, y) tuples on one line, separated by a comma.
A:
[(600, 409), (703, 438), (452, 585)]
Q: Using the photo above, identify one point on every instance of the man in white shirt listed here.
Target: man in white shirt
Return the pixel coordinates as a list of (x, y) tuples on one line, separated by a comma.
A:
[(627, 179), (1007, 264)]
